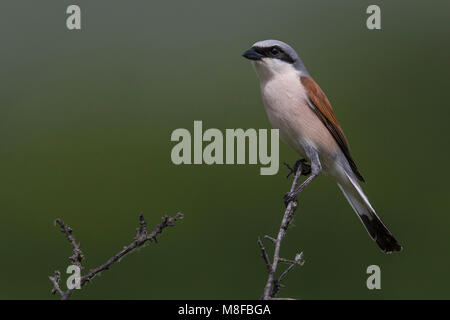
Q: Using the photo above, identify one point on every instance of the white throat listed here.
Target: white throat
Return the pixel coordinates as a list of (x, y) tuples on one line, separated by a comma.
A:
[(268, 69)]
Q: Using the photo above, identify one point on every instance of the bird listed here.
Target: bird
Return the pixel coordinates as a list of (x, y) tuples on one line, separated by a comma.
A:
[(300, 110)]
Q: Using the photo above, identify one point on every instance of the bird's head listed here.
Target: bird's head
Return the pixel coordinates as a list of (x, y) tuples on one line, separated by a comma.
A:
[(274, 57)]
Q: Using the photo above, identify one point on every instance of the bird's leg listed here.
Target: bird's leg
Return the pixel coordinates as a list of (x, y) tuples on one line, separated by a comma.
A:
[(315, 169), (306, 168), (290, 196)]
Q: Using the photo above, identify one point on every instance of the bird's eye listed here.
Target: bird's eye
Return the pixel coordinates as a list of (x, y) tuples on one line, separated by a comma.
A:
[(274, 51)]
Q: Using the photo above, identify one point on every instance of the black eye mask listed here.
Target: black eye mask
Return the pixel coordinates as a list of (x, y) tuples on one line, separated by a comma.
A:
[(274, 52)]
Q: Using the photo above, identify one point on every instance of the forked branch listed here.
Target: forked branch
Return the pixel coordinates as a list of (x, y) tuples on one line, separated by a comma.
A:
[(273, 284), (142, 237)]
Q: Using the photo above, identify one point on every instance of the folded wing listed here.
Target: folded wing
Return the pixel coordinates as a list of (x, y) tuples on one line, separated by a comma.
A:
[(322, 108)]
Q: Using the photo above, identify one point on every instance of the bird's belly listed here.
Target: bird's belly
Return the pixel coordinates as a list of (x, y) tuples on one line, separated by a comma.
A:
[(289, 133), (288, 110)]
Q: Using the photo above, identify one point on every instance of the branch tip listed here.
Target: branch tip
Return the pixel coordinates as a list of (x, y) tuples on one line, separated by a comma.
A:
[(141, 238)]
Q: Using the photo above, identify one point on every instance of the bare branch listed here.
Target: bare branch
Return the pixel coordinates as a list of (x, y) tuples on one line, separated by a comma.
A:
[(298, 261), (265, 255), (270, 238), (55, 280), (142, 236), (77, 256), (273, 285), (289, 261)]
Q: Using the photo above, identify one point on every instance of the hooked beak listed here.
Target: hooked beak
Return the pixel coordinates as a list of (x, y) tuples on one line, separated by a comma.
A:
[(251, 54)]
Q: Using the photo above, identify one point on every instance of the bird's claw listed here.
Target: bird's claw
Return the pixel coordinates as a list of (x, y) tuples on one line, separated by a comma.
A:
[(292, 170), (288, 197), (306, 168)]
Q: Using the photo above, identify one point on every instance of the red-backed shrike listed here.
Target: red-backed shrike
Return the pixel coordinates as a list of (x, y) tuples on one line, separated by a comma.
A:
[(297, 106)]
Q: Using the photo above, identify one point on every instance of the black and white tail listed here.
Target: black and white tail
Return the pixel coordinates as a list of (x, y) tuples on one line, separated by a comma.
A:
[(373, 224)]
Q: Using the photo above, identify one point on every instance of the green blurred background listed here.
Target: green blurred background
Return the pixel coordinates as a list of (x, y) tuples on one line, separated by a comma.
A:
[(85, 124)]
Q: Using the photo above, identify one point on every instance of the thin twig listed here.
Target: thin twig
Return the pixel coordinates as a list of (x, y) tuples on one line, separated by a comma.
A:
[(55, 280), (298, 261), (264, 255), (142, 236), (273, 285), (77, 256), (270, 238)]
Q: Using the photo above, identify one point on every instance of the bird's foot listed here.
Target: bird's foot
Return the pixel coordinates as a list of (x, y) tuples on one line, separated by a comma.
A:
[(288, 197), (306, 167)]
